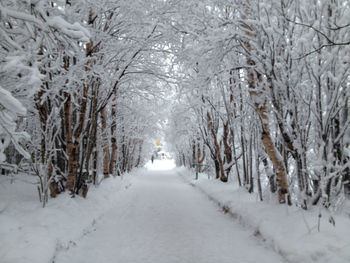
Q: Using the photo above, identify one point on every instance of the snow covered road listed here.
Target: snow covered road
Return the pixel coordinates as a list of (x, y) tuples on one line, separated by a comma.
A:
[(163, 219)]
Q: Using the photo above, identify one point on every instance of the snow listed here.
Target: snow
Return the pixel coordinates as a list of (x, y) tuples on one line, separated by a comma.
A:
[(290, 231), (163, 219), (161, 214), (20, 15), (160, 165), (11, 103), (75, 31), (30, 233), (10, 108)]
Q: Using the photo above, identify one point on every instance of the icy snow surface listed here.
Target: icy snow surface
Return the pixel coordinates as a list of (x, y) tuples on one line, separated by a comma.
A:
[(163, 219)]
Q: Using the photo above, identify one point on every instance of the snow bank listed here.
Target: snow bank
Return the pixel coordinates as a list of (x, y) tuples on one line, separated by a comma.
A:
[(30, 233), (290, 231)]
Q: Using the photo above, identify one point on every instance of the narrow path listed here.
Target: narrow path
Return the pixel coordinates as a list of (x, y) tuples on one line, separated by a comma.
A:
[(162, 219)]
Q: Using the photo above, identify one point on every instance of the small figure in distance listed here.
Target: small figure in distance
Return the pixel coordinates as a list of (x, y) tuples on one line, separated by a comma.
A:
[(152, 158)]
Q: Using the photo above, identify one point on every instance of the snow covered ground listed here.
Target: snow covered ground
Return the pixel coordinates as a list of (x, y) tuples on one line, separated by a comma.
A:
[(30, 233), (160, 165), (158, 214), (162, 219), (290, 231)]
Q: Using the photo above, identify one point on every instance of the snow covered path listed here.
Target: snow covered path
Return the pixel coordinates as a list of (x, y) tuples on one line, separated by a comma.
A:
[(163, 219)]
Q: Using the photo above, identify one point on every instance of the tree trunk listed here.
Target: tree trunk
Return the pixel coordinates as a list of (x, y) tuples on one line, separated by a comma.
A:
[(250, 152), (200, 157), (113, 159), (70, 146), (223, 177), (138, 162), (92, 129), (235, 157), (194, 158), (217, 168), (227, 151), (260, 104), (44, 109), (282, 184), (78, 132), (94, 163), (242, 140), (105, 145), (258, 176)]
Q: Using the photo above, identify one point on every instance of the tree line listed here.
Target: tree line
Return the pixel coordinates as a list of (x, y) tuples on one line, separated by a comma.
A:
[(266, 89), (80, 86)]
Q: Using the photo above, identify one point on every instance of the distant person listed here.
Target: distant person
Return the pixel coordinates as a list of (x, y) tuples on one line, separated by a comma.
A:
[(152, 158)]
